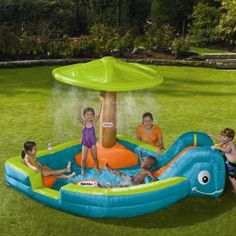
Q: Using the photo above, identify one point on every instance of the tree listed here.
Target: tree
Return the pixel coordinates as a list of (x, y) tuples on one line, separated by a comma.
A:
[(101, 11), (212, 3), (173, 12), (138, 12), (227, 25), (61, 17), (72, 17), (56, 16), (205, 20)]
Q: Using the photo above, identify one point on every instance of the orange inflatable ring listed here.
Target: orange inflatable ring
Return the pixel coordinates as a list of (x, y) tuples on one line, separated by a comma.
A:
[(49, 181), (117, 156)]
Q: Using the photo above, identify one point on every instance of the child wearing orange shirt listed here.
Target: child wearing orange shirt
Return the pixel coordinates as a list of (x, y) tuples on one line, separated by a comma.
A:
[(150, 133)]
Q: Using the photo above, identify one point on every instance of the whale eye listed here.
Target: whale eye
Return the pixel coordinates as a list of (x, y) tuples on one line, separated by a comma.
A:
[(204, 177)]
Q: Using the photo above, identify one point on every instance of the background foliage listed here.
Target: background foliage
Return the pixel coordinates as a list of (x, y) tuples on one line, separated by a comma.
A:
[(85, 28)]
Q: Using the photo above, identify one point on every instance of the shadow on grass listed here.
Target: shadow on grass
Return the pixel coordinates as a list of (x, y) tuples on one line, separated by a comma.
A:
[(185, 213), (200, 81), (37, 86), (173, 92), (173, 87), (23, 80)]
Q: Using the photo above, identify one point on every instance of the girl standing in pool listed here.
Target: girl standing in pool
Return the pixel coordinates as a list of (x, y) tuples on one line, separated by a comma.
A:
[(89, 138)]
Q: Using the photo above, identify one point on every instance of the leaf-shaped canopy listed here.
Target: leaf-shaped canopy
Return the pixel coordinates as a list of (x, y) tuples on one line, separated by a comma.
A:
[(108, 74)]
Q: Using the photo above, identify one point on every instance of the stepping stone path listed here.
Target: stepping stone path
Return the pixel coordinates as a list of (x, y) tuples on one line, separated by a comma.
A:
[(218, 60)]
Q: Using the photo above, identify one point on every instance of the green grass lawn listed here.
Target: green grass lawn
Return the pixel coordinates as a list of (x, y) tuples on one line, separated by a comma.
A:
[(207, 50), (34, 106)]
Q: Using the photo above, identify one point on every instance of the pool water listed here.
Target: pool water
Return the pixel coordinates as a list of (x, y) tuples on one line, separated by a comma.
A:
[(105, 178)]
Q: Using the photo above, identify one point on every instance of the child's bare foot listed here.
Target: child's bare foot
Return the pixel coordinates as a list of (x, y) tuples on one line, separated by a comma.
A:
[(98, 171), (68, 167), (233, 191), (71, 175)]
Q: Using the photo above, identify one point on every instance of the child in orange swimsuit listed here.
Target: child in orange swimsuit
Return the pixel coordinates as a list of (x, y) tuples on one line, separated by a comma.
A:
[(29, 158), (150, 133)]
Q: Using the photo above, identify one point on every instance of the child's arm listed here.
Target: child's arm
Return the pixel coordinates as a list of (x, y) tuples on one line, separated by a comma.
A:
[(138, 133), (217, 138), (153, 178), (140, 155), (34, 168), (161, 148), (80, 118), (42, 167), (96, 118), (227, 149), (116, 172)]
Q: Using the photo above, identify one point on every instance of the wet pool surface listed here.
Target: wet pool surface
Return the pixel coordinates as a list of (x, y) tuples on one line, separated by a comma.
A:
[(105, 178)]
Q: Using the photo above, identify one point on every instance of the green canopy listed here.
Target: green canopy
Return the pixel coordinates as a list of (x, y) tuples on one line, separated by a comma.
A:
[(108, 74)]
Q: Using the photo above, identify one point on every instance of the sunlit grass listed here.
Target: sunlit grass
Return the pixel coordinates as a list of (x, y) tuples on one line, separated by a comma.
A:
[(207, 50), (34, 106)]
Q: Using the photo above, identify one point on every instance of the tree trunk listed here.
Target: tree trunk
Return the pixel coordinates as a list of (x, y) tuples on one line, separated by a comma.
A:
[(107, 133)]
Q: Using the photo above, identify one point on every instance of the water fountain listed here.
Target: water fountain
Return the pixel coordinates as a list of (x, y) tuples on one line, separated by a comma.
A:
[(109, 75)]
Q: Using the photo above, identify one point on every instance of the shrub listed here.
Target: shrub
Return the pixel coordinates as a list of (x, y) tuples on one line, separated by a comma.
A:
[(180, 47), (28, 44), (32, 45), (9, 41), (139, 42), (60, 47), (126, 42), (105, 39), (159, 39), (82, 46)]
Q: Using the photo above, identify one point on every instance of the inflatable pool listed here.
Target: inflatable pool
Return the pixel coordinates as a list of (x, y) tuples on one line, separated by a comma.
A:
[(188, 168)]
